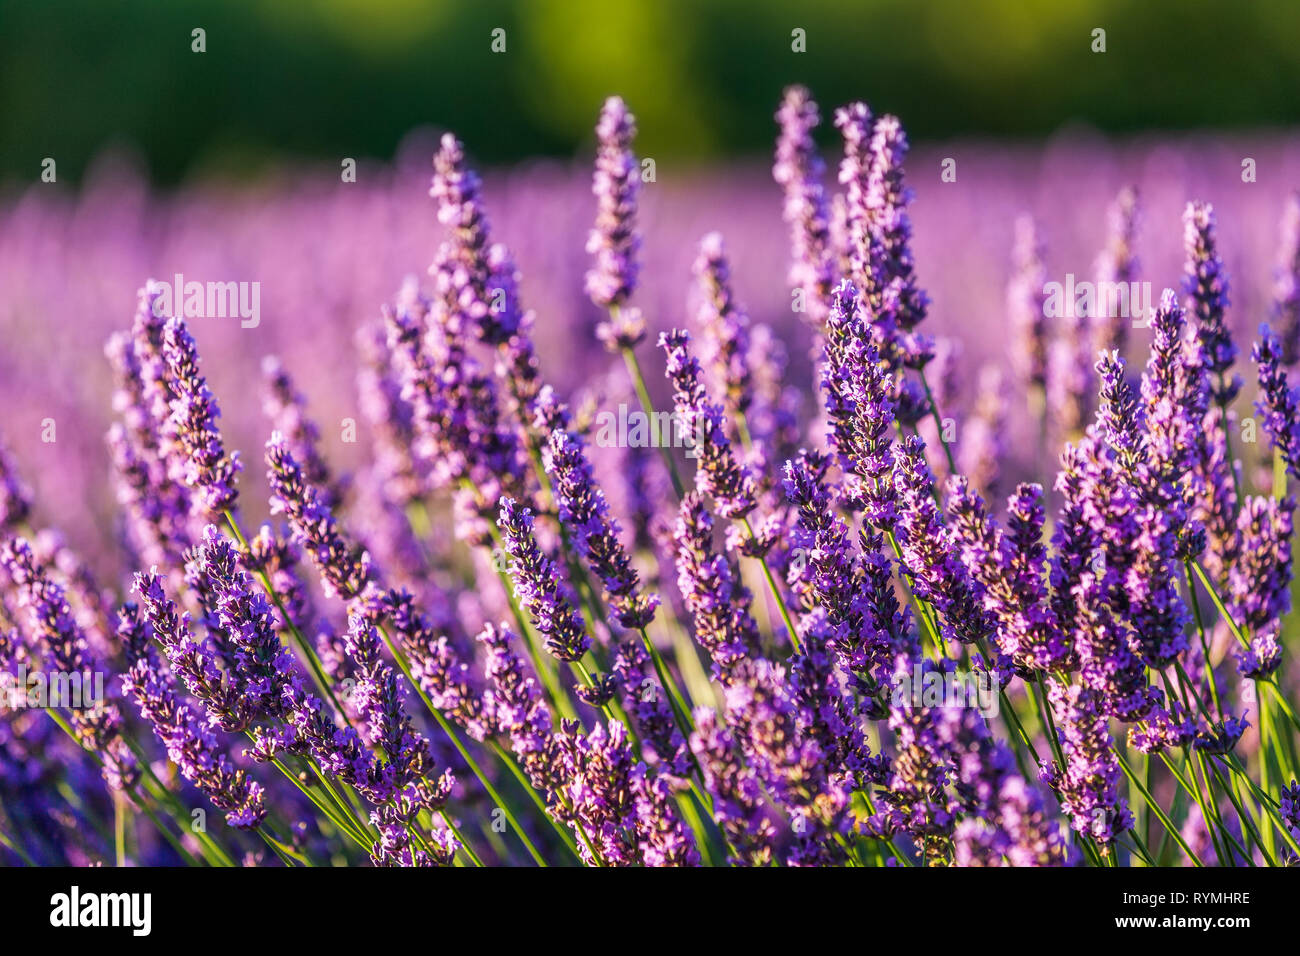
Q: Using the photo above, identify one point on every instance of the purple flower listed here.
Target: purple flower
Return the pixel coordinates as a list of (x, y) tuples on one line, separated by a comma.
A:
[(1278, 403), (539, 587), (64, 649), (595, 535), (1285, 313), (344, 568), (208, 469), (725, 324), (15, 498), (1117, 264), (462, 269), (738, 801), (718, 472), (799, 171), (860, 407), (614, 241), (1088, 784), (1206, 284), (1262, 659), (855, 123), (715, 598), (517, 708), (887, 200), (928, 554), (1259, 582), (190, 743), (1026, 302), (286, 407)]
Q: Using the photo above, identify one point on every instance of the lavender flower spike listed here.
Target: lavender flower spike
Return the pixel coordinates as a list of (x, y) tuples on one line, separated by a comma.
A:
[(539, 587), (719, 473), (614, 242), (1206, 284), (1278, 403), (799, 171), (1285, 313), (189, 740), (208, 469), (65, 650), (585, 512)]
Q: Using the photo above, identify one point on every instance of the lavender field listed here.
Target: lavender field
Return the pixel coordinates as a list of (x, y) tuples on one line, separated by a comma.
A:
[(864, 508)]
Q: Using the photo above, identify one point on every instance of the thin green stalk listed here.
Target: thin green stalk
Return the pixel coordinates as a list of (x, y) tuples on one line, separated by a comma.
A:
[(643, 396), (308, 652), (1160, 814), (465, 755)]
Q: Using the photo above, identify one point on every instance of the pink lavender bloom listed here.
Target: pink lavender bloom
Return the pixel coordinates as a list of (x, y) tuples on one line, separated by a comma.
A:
[(208, 469), (539, 587), (718, 473), (614, 241), (799, 171)]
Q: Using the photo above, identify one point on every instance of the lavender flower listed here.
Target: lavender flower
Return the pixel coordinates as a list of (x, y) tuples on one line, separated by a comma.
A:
[(64, 649), (190, 744), (1206, 285), (715, 597), (1089, 782), (737, 793), (718, 473), (1259, 582), (725, 324), (539, 587), (860, 407), (208, 469), (344, 568), (585, 514), (614, 241), (15, 498), (1026, 302), (1279, 403), (928, 554), (286, 407), (799, 170), (1285, 312), (1118, 265)]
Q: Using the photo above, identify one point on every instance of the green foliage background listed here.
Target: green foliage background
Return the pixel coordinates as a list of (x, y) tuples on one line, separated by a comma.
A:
[(332, 78)]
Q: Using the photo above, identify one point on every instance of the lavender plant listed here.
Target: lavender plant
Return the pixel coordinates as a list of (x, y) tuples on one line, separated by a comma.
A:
[(825, 639)]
